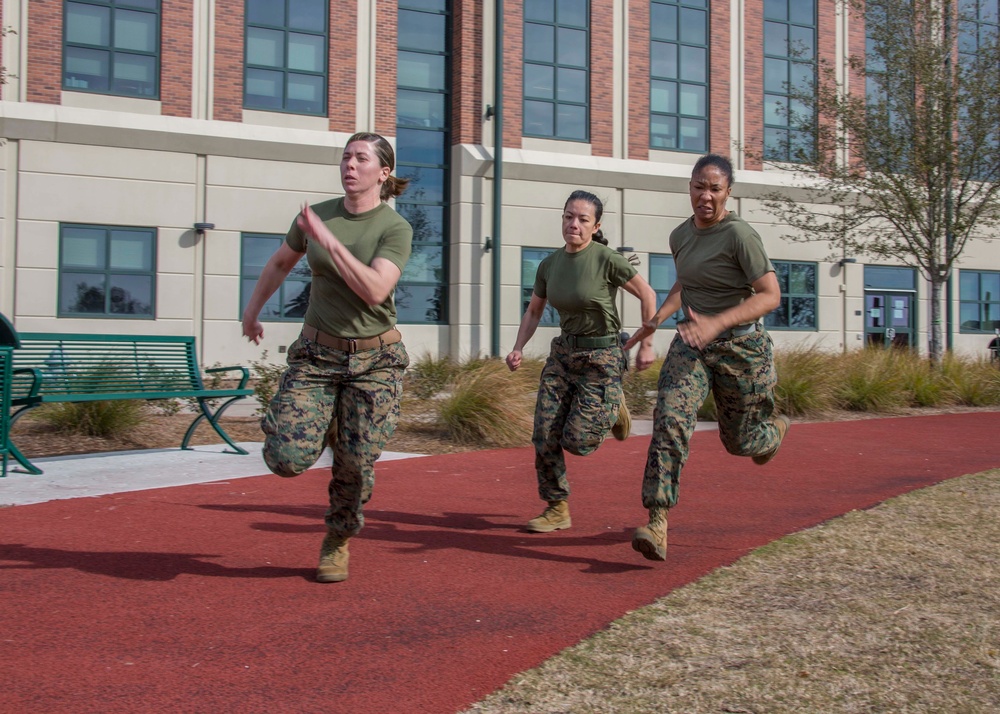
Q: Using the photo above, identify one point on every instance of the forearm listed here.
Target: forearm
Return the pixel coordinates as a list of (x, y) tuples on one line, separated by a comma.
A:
[(367, 283), (529, 323)]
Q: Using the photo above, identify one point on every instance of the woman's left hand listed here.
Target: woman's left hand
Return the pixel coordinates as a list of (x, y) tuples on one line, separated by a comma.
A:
[(644, 357), (698, 330)]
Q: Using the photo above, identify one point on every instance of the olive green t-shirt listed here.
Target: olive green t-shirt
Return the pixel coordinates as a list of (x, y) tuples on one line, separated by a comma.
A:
[(716, 266), (333, 307), (582, 287)]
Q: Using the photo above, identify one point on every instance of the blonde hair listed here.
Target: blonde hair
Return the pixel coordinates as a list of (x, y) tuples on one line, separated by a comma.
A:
[(393, 185)]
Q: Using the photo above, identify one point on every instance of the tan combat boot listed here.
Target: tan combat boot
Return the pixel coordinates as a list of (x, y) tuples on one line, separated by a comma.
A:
[(622, 427), (553, 518), (651, 539), (333, 557), (781, 423)]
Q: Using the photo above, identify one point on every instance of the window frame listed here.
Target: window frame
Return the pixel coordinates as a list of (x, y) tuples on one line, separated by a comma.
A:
[(108, 271), (246, 291), (417, 168), (661, 294), (550, 316), (284, 69), (787, 296), (555, 66), (111, 50), (979, 302), (783, 152), (677, 115)]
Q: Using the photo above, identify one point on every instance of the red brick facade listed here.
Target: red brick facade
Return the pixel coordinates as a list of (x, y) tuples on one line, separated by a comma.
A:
[(45, 51), (638, 80), (753, 83), (176, 53), (719, 71), (602, 72), (513, 74), (385, 67), (467, 105), (343, 69), (227, 102)]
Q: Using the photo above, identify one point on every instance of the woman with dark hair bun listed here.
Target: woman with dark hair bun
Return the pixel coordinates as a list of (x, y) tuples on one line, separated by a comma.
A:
[(725, 285), (580, 393), (345, 371)]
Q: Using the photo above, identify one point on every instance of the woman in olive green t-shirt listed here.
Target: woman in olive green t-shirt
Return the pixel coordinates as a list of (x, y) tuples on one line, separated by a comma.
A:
[(725, 285), (580, 392), (345, 371)]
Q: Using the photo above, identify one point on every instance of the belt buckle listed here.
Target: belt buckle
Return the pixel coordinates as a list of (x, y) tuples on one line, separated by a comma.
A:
[(352, 345)]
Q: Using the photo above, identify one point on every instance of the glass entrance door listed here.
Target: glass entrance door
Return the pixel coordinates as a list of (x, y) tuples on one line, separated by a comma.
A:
[(889, 319)]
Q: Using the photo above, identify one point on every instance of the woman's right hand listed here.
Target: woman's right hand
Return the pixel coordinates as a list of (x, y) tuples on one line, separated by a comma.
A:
[(514, 360), (648, 328), (253, 330)]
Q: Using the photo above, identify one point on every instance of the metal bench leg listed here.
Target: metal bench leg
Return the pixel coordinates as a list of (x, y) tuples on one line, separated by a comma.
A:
[(213, 417), (28, 467)]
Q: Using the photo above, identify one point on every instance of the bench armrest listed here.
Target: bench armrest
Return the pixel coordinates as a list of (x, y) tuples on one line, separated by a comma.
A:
[(36, 379), (244, 370)]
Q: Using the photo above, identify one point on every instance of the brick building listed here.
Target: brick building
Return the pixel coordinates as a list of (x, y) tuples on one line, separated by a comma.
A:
[(156, 152)]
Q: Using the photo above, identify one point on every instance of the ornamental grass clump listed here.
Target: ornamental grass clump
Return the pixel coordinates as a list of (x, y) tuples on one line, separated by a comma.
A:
[(869, 381), (805, 384), (489, 405), (974, 382), (640, 387), (428, 376)]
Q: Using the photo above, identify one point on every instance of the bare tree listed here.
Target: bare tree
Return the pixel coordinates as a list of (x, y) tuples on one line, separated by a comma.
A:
[(900, 151)]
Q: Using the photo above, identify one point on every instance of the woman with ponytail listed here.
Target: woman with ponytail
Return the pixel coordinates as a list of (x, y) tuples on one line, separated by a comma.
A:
[(580, 393), (345, 371)]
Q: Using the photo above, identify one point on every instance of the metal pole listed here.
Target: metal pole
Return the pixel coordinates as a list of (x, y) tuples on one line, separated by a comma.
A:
[(498, 56)]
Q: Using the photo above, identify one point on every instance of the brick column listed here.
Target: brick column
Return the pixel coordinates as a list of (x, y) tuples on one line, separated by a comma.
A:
[(227, 103), (175, 58), (753, 83), (467, 73), (342, 92), (45, 30), (720, 89), (385, 67), (637, 109), (513, 74), (602, 78)]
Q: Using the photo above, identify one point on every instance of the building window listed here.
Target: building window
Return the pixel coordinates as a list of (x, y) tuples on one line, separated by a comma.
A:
[(286, 56), (789, 72), (106, 271), (662, 276), (978, 25), (678, 75), (797, 310), (979, 293), (557, 69), (530, 258), (291, 299), (422, 155), (112, 47)]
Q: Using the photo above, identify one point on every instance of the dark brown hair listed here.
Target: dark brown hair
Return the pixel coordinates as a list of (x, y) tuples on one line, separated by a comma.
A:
[(720, 162), (393, 185)]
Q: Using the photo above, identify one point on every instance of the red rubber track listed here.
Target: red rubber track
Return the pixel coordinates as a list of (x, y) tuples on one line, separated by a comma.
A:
[(201, 599)]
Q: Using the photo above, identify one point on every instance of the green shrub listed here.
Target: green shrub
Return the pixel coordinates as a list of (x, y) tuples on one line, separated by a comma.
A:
[(707, 411), (266, 378), (107, 419), (488, 405), (640, 388)]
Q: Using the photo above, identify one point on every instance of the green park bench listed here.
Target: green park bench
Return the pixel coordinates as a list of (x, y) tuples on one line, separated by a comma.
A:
[(54, 367)]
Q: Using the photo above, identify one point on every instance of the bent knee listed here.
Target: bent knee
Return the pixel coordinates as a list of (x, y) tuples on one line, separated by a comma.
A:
[(286, 462)]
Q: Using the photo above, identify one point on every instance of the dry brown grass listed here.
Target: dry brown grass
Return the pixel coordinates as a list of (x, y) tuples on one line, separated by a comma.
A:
[(894, 609)]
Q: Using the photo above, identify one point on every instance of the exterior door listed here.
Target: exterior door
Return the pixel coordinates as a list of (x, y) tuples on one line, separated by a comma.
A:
[(889, 320)]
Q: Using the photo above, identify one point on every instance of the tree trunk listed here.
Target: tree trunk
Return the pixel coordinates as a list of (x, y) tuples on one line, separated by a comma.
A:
[(936, 346)]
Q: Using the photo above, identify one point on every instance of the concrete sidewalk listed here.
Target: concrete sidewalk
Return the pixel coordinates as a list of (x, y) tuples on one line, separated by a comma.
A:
[(119, 471)]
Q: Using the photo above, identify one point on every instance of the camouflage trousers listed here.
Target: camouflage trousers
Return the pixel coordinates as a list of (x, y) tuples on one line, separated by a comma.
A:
[(740, 374), (361, 393), (578, 399)]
